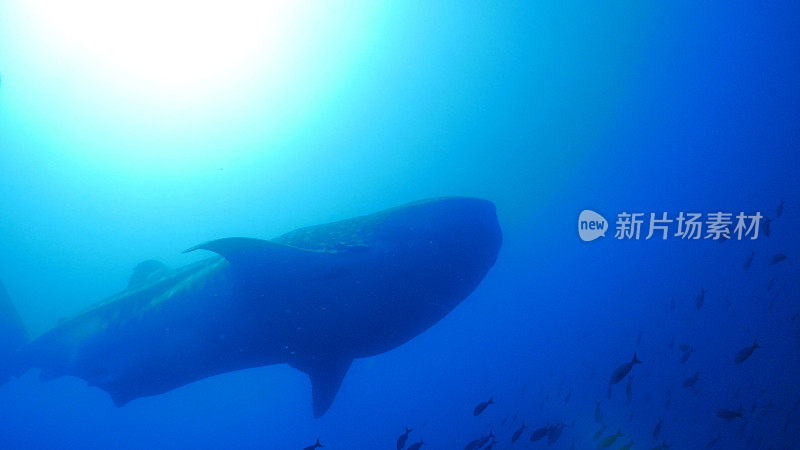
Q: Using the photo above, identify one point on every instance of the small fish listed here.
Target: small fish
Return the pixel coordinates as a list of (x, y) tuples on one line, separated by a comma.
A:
[(767, 408), (417, 445), (599, 433), (629, 391), (779, 209), (518, 433), (749, 261), (540, 433), (685, 347), (668, 401), (472, 445), (728, 414), (484, 439), (662, 446), (627, 446), (714, 441), (691, 381), (771, 283), (701, 298), (777, 258), (313, 447), (401, 440), (623, 370), (598, 413), (481, 407), (745, 353), (608, 441), (686, 354), (569, 396), (767, 221), (491, 444), (657, 429), (554, 433)]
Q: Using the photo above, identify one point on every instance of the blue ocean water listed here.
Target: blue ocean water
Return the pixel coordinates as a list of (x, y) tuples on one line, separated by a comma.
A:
[(135, 131)]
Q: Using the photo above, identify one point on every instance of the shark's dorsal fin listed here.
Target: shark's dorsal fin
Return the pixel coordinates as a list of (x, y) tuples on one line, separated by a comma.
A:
[(143, 270), (326, 375), (256, 256)]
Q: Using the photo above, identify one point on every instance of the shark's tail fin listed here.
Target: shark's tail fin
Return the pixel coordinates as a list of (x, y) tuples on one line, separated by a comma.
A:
[(12, 337)]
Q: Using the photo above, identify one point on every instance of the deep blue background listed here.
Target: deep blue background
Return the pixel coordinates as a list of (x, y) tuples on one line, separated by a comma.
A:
[(545, 110)]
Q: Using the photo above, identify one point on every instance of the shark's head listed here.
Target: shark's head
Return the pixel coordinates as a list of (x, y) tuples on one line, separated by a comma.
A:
[(462, 226), (454, 238)]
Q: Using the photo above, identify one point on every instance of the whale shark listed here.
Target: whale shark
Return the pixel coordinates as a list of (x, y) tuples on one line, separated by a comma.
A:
[(315, 298)]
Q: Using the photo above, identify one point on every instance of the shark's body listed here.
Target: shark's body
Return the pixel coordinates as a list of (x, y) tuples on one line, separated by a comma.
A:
[(315, 298)]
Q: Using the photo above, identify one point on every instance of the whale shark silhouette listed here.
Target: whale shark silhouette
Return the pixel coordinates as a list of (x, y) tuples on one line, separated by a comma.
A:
[(315, 298)]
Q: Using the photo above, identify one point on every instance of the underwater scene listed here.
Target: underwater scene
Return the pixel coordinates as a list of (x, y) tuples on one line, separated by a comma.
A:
[(399, 225)]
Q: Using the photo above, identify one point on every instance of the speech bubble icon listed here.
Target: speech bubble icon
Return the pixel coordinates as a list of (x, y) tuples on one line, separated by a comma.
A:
[(591, 225)]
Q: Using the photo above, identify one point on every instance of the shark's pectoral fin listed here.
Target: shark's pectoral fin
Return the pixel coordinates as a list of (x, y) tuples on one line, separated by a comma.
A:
[(120, 399), (119, 395), (326, 377), (254, 257), (325, 383)]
